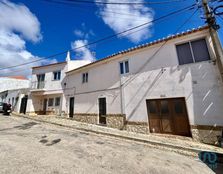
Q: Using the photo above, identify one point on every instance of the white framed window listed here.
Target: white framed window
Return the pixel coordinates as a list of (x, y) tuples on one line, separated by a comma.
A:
[(56, 75), (50, 101), (193, 51), (124, 67), (57, 101), (85, 77)]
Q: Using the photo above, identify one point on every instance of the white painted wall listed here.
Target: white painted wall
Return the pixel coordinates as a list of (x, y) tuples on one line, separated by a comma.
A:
[(14, 98), (199, 83), (12, 83), (53, 88)]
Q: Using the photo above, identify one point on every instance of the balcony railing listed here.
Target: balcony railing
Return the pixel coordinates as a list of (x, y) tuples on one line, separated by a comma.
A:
[(38, 85)]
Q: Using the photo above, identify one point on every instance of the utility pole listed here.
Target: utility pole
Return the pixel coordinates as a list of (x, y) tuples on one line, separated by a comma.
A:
[(213, 27)]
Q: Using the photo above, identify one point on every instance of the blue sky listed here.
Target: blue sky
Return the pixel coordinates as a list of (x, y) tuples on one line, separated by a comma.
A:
[(60, 27)]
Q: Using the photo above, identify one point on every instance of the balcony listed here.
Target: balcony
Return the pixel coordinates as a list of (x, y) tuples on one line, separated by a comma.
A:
[(38, 86)]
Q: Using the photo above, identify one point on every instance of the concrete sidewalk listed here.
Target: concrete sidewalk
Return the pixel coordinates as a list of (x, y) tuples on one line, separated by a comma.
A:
[(182, 145)]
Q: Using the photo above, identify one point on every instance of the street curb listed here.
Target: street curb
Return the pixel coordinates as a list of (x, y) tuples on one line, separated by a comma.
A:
[(192, 152)]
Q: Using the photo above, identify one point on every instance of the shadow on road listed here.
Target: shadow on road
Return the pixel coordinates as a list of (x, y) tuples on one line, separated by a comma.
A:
[(26, 125), (45, 141)]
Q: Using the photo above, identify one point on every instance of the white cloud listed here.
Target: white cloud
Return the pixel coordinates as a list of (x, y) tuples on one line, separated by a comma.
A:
[(79, 33), (17, 24), (83, 33), (139, 14), (18, 18), (82, 53)]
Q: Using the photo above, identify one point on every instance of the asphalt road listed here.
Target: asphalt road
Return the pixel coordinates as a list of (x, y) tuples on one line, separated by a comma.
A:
[(28, 147)]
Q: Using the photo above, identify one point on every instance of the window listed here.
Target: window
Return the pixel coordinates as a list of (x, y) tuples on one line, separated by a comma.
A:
[(12, 100), (193, 51), (124, 67), (152, 107), (57, 101), (56, 75), (84, 77), (40, 77), (50, 102)]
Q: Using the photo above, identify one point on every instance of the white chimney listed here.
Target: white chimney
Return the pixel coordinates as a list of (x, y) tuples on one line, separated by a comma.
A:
[(68, 56)]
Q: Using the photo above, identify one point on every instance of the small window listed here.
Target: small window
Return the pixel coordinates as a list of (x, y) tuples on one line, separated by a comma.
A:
[(84, 77), (152, 107), (124, 67), (178, 107), (50, 102), (164, 107), (12, 100), (193, 51), (56, 75), (40, 77), (57, 101)]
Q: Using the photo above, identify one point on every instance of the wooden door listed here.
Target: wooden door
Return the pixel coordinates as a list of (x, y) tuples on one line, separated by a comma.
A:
[(168, 116), (44, 106), (23, 104), (181, 121), (102, 110), (71, 110)]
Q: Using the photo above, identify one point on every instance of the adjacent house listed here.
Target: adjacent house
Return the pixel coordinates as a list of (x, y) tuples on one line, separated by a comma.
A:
[(169, 86), (13, 82), (17, 98), (47, 85)]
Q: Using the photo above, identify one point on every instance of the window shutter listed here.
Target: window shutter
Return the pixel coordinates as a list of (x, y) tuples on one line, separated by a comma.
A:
[(184, 54), (200, 50)]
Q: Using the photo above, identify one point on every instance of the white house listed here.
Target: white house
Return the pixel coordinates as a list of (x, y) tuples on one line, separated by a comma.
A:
[(47, 86), (17, 98), (169, 86), (13, 82)]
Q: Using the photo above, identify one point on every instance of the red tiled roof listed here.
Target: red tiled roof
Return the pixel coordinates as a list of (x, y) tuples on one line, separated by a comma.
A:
[(17, 77), (144, 45)]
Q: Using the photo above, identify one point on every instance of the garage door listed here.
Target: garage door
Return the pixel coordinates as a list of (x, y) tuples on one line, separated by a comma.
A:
[(168, 116)]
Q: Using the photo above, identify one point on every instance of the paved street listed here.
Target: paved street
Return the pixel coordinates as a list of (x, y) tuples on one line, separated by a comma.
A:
[(29, 147)]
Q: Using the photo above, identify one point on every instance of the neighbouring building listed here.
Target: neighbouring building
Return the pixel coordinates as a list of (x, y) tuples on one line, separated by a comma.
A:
[(169, 86), (47, 85), (17, 98), (13, 82)]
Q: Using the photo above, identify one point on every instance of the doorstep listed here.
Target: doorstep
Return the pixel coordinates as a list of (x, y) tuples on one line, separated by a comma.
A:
[(178, 144)]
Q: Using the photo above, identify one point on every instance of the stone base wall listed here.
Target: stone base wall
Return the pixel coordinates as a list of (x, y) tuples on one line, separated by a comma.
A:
[(138, 127), (206, 134), (87, 118), (115, 121)]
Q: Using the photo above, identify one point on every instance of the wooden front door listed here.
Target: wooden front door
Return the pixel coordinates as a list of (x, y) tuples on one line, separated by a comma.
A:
[(102, 110), (44, 106), (23, 104), (168, 116), (71, 110)]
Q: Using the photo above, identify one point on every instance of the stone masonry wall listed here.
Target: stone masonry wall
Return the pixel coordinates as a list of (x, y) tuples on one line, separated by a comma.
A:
[(138, 127), (115, 121), (87, 118), (206, 134)]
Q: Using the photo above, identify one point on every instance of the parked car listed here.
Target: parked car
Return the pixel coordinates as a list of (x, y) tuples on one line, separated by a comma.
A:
[(6, 108), (1, 106)]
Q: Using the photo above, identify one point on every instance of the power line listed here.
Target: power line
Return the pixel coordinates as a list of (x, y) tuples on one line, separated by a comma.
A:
[(123, 3), (158, 50), (105, 38), (141, 68)]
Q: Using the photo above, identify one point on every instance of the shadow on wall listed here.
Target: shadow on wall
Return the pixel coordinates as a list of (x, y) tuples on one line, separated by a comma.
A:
[(142, 99), (207, 96)]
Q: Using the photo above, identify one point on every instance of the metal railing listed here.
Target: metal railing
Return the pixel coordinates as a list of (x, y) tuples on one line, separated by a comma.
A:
[(38, 85)]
